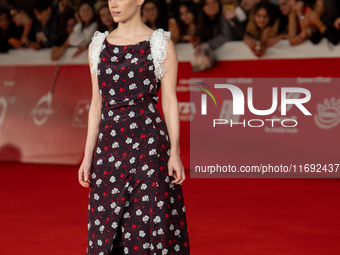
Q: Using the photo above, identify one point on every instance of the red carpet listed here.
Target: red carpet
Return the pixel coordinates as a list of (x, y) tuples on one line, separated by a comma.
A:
[(44, 211)]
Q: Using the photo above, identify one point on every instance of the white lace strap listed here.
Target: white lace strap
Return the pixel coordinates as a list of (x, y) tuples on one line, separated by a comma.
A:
[(158, 44), (95, 48)]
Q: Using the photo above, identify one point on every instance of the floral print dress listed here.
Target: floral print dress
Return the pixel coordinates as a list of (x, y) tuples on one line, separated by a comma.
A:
[(133, 206)]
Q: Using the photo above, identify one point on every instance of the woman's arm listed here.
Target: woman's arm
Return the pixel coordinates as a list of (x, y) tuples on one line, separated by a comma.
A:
[(92, 131), (273, 36), (58, 51), (294, 37), (171, 112)]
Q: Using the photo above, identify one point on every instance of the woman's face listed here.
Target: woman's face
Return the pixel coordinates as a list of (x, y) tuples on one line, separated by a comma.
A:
[(261, 18), (123, 10), (150, 11), (105, 16), (4, 21), (211, 8), (86, 13), (185, 15), (285, 8)]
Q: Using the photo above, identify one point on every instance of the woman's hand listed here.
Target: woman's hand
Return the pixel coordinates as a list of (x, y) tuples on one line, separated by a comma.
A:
[(337, 23), (78, 19), (250, 42), (176, 169), (84, 173), (24, 39), (79, 51), (201, 47)]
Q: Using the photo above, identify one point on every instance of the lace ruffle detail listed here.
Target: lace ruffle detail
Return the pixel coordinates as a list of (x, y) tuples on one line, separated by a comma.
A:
[(158, 44), (95, 48)]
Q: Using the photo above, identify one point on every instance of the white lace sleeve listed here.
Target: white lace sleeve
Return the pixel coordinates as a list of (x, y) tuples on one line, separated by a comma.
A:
[(159, 43), (95, 49)]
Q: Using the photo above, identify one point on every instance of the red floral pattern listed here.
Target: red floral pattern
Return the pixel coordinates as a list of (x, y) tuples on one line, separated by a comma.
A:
[(133, 206)]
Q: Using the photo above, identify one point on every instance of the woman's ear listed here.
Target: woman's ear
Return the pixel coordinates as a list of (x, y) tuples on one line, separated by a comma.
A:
[(140, 2)]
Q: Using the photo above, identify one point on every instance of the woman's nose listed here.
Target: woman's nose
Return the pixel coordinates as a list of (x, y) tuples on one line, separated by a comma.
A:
[(113, 3)]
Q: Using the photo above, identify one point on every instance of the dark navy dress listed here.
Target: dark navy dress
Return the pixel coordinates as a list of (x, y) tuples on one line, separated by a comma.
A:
[(133, 206)]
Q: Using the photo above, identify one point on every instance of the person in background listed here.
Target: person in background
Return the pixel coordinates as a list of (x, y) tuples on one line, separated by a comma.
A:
[(236, 17), (99, 4), (4, 4), (323, 18), (46, 25), (84, 29), (58, 50), (184, 29), (248, 5), (295, 33), (152, 16), (299, 30), (285, 10), (21, 19), (232, 22), (9, 33), (212, 25), (337, 23), (65, 6), (105, 20), (262, 28), (65, 12)]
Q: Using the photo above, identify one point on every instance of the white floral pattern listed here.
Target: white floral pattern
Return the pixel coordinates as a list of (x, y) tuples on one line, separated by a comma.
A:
[(95, 48), (131, 195), (158, 44)]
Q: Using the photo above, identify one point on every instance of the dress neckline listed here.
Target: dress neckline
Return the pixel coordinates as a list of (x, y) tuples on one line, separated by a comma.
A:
[(128, 45)]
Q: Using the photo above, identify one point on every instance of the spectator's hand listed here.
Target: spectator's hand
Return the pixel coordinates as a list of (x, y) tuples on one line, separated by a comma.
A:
[(15, 42), (79, 51), (201, 47), (174, 31), (303, 35), (67, 43), (34, 45), (229, 13), (337, 23), (24, 40), (250, 42), (306, 27), (194, 40), (78, 19), (284, 36)]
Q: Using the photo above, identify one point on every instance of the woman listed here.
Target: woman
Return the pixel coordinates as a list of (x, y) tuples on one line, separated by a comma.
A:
[(21, 19), (152, 15), (105, 21), (323, 19), (9, 33), (212, 26), (58, 50), (84, 29), (187, 21), (262, 28), (132, 158)]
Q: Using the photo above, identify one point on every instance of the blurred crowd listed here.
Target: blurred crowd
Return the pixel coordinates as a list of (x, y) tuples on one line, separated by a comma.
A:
[(59, 24)]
